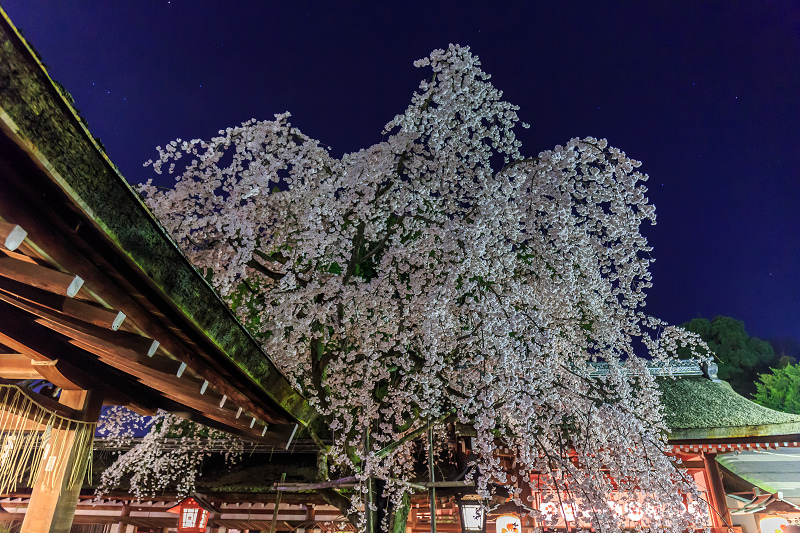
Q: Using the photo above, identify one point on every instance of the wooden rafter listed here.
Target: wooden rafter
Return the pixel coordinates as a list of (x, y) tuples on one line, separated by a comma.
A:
[(131, 341), (127, 352), (19, 332), (39, 276), (11, 235), (123, 349), (17, 366), (80, 309), (172, 340)]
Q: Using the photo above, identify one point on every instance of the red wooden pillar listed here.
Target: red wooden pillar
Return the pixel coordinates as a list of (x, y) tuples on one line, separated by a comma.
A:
[(720, 515)]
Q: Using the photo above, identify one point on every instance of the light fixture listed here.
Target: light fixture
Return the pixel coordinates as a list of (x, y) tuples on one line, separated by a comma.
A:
[(635, 511), (508, 523), (193, 512), (772, 524), (473, 514)]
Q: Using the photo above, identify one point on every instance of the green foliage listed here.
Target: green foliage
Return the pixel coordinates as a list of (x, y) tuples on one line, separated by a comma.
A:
[(740, 357), (780, 389)]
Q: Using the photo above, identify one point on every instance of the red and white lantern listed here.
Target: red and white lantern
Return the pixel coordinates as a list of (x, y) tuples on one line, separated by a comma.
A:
[(193, 513), (508, 523)]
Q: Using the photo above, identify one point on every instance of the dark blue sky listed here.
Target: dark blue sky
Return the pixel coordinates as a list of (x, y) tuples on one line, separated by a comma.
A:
[(707, 95)]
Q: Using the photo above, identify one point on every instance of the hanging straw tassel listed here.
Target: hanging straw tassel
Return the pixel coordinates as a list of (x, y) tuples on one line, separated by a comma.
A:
[(34, 439)]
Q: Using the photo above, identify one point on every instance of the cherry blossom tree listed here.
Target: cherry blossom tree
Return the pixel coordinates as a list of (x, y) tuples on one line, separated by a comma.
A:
[(169, 455), (442, 273)]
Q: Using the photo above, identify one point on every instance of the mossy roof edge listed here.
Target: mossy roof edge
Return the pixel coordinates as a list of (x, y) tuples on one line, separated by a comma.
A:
[(49, 124), (754, 478), (699, 408)]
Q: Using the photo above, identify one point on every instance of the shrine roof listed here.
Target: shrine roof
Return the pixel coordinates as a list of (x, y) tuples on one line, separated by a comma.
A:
[(86, 220), (772, 472), (698, 408)]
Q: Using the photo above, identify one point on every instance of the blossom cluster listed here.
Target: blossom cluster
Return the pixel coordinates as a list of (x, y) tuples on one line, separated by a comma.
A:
[(441, 272), (150, 466)]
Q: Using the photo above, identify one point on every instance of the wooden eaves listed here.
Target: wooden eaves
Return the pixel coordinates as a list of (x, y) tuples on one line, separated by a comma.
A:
[(93, 292)]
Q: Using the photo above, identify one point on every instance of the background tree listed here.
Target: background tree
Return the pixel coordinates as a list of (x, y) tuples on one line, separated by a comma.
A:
[(441, 273), (780, 389), (787, 350), (741, 358)]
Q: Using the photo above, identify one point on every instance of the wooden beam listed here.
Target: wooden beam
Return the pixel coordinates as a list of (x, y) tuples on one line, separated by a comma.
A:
[(135, 353), (22, 257), (61, 376), (158, 372), (49, 371), (19, 332), (90, 254), (55, 406), (154, 372), (171, 387), (125, 339), (83, 310), (39, 276), (17, 366), (11, 235)]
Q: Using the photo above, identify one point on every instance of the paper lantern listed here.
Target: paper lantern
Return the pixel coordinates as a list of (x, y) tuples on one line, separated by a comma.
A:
[(509, 523), (773, 524), (473, 515), (193, 513)]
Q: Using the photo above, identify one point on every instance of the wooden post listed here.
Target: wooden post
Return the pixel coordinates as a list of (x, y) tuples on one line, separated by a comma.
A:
[(277, 507), (119, 527), (52, 505), (720, 515)]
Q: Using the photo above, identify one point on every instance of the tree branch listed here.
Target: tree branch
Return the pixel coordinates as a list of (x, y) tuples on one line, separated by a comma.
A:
[(358, 240), (340, 502), (411, 436), (255, 265)]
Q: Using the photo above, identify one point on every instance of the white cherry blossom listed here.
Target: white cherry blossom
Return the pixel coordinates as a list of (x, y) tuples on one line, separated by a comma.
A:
[(443, 272)]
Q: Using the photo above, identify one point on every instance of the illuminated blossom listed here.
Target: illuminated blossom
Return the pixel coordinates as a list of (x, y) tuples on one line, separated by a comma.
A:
[(442, 272)]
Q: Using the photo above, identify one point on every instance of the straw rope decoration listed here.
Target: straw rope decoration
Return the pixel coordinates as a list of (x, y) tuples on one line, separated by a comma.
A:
[(34, 439)]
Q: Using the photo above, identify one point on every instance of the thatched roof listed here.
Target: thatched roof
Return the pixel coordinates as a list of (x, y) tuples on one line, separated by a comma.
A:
[(698, 408)]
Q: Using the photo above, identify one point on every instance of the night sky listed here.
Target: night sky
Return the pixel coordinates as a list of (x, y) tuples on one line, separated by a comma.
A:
[(706, 95)]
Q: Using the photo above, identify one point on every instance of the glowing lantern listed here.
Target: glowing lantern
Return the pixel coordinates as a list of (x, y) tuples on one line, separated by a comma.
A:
[(193, 512), (773, 524), (635, 512), (509, 523), (551, 510), (473, 514)]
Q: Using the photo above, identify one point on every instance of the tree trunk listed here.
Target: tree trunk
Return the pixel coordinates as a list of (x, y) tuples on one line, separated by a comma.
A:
[(332, 497), (399, 518)]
